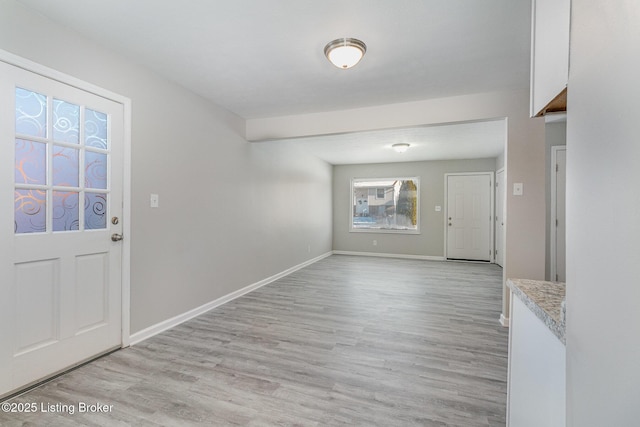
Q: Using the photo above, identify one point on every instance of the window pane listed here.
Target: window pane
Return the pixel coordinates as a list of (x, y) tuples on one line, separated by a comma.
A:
[(95, 170), (65, 166), (65, 211), (95, 211), (30, 162), (407, 205), (385, 204), (95, 129), (66, 119), (31, 113), (30, 211)]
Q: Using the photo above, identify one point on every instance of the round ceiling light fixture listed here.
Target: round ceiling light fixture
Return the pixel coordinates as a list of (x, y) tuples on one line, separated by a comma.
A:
[(401, 147), (345, 53)]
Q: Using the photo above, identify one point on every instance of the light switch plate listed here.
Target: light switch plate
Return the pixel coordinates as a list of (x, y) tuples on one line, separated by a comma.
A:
[(438, 208), (154, 201), (517, 189)]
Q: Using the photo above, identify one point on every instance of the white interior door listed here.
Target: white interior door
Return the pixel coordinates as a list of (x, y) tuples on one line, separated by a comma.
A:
[(469, 216), (558, 228), (61, 173), (499, 218)]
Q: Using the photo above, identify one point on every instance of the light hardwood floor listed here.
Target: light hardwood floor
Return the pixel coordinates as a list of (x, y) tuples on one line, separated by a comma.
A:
[(345, 341)]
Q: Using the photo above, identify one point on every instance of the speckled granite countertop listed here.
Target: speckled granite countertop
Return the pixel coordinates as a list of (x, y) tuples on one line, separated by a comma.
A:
[(545, 299)]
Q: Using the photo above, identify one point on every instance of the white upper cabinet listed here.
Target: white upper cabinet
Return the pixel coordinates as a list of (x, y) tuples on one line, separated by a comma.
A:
[(549, 54)]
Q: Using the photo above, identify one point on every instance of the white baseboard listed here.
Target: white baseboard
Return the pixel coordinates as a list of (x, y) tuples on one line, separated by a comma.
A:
[(382, 255), (181, 318), (504, 321)]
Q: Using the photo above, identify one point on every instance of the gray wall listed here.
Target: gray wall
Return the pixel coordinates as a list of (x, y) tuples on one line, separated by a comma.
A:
[(430, 241), (603, 215), (524, 157), (555, 135), (231, 213)]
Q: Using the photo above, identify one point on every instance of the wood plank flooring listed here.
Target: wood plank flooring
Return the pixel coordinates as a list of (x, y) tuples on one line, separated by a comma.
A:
[(345, 341)]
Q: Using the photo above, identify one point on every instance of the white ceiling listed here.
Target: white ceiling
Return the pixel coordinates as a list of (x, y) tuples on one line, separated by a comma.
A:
[(471, 140), (261, 58)]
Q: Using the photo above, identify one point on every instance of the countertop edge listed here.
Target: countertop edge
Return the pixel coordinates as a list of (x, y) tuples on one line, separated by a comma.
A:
[(522, 289)]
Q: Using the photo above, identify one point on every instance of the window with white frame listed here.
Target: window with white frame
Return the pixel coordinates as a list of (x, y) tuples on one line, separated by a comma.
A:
[(385, 205)]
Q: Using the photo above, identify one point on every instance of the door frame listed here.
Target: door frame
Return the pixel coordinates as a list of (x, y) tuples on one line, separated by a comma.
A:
[(553, 229), (504, 214), (492, 193), (50, 73)]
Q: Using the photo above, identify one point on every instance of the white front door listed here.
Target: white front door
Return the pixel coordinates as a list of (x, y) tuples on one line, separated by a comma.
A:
[(61, 181), (499, 218), (469, 216)]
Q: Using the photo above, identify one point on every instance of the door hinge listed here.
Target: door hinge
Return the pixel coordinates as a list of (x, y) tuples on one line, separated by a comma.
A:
[(557, 167), (556, 222)]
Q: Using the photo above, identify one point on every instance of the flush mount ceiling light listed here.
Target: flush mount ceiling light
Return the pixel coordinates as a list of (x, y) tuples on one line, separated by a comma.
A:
[(401, 148), (345, 53)]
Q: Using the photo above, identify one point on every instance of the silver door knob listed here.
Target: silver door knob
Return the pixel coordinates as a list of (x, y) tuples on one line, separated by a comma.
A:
[(116, 237)]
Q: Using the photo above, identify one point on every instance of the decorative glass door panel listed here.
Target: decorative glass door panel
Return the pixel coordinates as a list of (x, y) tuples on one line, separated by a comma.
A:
[(52, 174)]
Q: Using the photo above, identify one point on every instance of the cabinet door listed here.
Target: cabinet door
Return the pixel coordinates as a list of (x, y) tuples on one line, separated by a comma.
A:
[(536, 384), (549, 51)]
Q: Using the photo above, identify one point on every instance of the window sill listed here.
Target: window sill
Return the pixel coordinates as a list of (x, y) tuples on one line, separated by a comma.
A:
[(383, 231)]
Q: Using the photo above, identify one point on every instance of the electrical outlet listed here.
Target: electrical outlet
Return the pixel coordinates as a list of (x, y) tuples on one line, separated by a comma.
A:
[(375, 243), (154, 201)]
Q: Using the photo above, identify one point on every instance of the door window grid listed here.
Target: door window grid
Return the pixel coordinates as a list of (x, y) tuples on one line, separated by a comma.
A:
[(62, 158)]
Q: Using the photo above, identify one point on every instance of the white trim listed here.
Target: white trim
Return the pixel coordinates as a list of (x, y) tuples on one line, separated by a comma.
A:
[(68, 80), (380, 230), (50, 73), (383, 255), (181, 318), (532, 68), (468, 261), (504, 216), (126, 226), (553, 230), (492, 213), (555, 117), (504, 321), (509, 353)]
